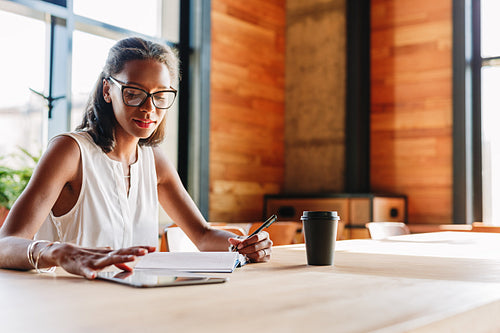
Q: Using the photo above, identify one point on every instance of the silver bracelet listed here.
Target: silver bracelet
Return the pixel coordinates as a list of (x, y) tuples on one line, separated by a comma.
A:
[(29, 251), (48, 270)]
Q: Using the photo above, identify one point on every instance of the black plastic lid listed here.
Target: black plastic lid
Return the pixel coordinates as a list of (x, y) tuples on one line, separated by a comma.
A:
[(320, 215)]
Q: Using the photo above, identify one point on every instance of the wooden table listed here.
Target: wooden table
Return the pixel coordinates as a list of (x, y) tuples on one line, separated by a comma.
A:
[(415, 283)]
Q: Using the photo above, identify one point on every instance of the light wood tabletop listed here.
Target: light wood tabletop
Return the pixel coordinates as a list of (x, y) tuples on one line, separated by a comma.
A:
[(435, 282)]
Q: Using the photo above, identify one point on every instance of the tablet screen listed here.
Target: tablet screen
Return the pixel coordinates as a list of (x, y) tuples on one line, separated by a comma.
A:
[(143, 279)]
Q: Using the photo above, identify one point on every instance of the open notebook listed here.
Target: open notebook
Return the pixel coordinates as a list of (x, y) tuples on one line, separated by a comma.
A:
[(206, 262)]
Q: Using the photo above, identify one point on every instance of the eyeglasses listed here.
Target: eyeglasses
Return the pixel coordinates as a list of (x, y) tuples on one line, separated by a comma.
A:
[(136, 96)]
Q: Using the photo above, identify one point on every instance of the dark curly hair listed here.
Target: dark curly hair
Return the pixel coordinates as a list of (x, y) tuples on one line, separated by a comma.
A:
[(99, 119)]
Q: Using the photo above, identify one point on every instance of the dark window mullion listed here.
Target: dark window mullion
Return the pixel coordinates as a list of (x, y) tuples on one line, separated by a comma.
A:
[(462, 110), (477, 165), (184, 93)]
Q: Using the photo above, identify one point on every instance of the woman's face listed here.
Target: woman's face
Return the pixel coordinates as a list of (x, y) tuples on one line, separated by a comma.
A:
[(138, 121)]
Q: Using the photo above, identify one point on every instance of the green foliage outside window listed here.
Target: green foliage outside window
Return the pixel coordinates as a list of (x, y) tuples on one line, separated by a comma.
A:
[(13, 180)]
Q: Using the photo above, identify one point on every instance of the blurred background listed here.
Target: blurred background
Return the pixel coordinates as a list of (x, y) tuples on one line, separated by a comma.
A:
[(284, 97)]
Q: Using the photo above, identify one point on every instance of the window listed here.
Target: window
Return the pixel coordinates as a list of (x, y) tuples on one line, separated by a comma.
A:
[(490, 109), (86, 67), (142, 16), (75, 36), (23, 113)]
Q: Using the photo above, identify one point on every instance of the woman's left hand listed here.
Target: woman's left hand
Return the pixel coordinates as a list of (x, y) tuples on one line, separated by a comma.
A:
[(257, 248)]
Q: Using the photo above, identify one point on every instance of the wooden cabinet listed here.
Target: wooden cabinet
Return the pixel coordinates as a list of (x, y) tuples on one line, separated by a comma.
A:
[(355, 210)]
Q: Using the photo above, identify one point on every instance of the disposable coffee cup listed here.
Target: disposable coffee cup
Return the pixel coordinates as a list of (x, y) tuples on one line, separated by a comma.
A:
[(320, 233)]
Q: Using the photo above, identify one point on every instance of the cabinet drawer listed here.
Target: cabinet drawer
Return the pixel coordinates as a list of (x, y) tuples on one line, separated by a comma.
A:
[(355, 210), (389, 209), (290, 209)]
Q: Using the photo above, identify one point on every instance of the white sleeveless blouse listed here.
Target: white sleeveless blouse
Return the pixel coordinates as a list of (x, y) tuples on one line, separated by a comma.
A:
[(104, 215)]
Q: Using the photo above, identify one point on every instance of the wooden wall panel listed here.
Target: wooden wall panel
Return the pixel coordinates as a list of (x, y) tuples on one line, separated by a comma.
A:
[(411, 102), (247, 107)]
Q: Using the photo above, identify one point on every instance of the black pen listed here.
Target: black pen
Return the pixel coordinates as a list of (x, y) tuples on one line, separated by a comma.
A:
[(266, 224)]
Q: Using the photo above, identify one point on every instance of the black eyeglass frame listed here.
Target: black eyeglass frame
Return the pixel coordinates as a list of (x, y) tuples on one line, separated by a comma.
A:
[(123, 85)]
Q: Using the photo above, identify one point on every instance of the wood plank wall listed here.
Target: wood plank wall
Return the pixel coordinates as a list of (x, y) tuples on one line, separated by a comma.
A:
[(411, 102), (247, 107)]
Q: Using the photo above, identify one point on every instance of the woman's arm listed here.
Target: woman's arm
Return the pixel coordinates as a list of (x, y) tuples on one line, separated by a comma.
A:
[(60, 166), (180, 207), (74, 259)]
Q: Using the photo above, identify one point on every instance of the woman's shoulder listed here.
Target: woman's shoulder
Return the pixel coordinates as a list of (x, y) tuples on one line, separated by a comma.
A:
[(65, 144), (164, 168), (159, 155), (76, 137), (76, 140), (62, 157)]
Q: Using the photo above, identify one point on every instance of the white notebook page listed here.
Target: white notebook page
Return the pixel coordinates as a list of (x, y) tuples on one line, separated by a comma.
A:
[(215, 262)]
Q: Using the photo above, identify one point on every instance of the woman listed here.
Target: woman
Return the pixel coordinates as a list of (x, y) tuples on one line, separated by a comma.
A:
[(92, 200)]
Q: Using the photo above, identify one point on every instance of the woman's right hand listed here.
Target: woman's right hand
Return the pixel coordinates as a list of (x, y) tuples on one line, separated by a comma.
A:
[(88, 261)]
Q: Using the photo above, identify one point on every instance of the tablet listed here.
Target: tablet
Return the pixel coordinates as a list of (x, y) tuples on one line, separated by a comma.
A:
[(144, 279)]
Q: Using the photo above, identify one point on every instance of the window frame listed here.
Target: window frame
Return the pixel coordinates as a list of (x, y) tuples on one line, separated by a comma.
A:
[(467, 156), (194, 52)]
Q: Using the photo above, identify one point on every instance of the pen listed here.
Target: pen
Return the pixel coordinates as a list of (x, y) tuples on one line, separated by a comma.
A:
[(266, 224)]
